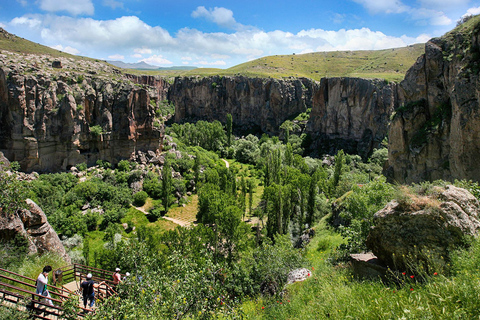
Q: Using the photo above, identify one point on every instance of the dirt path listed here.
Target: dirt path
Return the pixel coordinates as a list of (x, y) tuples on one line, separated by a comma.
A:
[(179, 222), (226, 163)]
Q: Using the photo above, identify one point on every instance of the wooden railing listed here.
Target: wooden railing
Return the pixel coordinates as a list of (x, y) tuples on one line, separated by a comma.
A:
[(20, 290), (21, 293), (78, 272)]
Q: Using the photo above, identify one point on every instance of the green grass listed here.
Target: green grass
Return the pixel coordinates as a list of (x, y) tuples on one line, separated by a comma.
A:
[(332, 292), (390, 64)]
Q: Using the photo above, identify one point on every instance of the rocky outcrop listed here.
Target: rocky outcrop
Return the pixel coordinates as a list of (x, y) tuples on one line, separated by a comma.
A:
[(256, 105), (434, 133), (426, 229), (32, 224), (52, 119), (350, 114)]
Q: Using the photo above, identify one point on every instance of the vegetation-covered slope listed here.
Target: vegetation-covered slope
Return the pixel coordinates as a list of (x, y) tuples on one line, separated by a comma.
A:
[(390, 64)]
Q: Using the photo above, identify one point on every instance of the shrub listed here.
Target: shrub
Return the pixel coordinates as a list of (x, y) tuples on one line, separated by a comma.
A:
[(124, 165), (96, 130), (140, 198), (82, 166)]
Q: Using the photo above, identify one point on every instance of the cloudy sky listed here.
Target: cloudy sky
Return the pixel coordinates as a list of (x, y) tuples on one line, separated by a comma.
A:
[(221, 34)]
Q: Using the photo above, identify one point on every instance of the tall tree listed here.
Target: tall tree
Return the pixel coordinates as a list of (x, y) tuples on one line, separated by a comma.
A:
[(167, 185), (229, 129)]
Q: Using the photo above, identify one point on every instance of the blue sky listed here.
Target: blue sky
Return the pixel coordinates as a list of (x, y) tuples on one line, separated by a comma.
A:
[(221, 34)]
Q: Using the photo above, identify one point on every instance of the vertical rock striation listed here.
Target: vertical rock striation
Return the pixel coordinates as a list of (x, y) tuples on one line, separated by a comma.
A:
[(434, 133), (351, 114), (256, 105), (50, 122)]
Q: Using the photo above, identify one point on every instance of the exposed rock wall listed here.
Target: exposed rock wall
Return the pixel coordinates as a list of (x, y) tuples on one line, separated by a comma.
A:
[(257, 105), (47, 120), (347, 113), (435, 131), (351, 114), (33, 225)]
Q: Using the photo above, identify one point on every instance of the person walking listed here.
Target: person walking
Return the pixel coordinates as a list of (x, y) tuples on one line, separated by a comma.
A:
[(88, 287), (42, 282), (117, 277)]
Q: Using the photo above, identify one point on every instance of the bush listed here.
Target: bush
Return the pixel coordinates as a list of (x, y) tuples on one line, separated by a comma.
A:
[(124, 165), (140, 198)]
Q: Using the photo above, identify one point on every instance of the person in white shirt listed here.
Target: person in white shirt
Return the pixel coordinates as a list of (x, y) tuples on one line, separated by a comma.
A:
[(42, 282)]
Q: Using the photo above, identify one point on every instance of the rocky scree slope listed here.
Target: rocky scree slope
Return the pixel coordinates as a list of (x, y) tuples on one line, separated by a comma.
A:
[(57, 112), (434, 133)]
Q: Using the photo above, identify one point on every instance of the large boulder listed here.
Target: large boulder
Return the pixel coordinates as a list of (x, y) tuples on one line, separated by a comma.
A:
[(32, 224), (424, 229)]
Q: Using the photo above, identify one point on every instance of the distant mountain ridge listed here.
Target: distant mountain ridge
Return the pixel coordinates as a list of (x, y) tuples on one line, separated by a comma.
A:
[(145, 66)]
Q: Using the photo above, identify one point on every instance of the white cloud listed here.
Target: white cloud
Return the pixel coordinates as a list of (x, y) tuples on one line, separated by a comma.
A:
[(219, 56), (430, 12), (214, 63), (472, 11), (116, 57), (443, 4), (113, 4), (157, 60), (435, 18), (23, 3), (67, 49), (131, 37), (142, 50), (2, 25), (126, 33), (185, 62), (76, 7), (383, 6), (220, 16), (31, 23), (338, 18)]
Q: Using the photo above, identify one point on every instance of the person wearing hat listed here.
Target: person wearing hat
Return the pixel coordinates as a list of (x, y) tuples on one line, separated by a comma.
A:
[(117, 278), (126, 276), (88, 287)]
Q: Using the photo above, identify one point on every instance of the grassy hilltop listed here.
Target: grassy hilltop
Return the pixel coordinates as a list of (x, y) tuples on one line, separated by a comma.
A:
[(390, 64)]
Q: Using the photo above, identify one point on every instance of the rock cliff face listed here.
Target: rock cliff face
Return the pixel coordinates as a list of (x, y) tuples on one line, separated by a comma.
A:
[(53, 119), (346, 113), (257, 105), (434, 133), (351, 114), (33, 225)]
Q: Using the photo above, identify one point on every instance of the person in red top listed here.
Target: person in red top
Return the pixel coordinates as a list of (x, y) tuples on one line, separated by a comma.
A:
[(117, 278)]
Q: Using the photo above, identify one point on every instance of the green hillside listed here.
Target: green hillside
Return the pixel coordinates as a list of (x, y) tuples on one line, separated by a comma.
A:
[(390, 64)]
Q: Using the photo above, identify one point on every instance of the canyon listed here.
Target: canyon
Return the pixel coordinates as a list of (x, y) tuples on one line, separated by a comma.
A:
[(54, 117)]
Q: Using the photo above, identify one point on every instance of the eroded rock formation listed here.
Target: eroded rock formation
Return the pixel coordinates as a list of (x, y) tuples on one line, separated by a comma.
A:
[(434, 133), (256, 105), (51, 119), (425, 230), (32, 224), (351, 114), (346, 113)]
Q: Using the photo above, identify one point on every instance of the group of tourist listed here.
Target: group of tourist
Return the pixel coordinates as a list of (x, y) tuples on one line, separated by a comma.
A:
[(88, 286)]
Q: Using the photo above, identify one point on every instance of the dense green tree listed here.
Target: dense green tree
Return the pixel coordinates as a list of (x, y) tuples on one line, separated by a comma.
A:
[(229, 129), (167, 185)]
